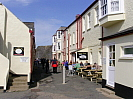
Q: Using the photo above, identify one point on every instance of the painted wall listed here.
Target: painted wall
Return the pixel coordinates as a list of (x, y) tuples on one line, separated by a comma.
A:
[(15, 34), (92, 35), (123, 65), (122, 24)]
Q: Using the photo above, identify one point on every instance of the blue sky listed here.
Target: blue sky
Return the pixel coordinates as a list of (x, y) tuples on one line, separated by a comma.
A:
[(48, 15)]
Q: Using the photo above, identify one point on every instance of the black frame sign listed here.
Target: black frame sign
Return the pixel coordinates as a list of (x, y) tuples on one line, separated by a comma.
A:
[(82, 55), (18, 51)]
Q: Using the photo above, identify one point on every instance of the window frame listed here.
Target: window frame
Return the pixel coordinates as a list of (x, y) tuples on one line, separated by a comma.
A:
[(59, 46), (104, 7), (113, 53), (123, 53), (74, 38), (88, 20), (83, 24), (97, 15)]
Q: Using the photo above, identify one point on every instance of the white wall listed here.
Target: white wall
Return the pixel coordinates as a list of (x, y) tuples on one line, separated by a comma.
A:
[(124, 67), (92, 35), (16, 34), (4, 68)]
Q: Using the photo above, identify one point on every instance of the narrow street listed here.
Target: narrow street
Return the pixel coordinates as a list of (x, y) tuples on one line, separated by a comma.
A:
[(50, 86)]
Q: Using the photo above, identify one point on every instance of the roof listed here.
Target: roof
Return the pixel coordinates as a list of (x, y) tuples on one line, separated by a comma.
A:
[(83, 13), (125, 32)]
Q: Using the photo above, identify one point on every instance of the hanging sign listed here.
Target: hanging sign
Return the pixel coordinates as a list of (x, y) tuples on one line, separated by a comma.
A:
[(18, 51), (82, 55)]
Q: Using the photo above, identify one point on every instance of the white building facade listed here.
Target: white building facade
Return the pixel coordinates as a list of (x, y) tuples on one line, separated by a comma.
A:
[(17, 45), (57, 44), (117, 40)]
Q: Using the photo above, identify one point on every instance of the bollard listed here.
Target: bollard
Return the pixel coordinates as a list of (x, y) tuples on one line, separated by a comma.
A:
[(64, 75)]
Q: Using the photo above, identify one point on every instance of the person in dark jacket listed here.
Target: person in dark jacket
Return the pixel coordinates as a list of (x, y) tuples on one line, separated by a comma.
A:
[(43, 62), (66, 65), (47, 66), (54, 65)]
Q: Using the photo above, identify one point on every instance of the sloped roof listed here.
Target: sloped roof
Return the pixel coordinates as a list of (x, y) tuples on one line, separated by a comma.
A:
[(127, 31)]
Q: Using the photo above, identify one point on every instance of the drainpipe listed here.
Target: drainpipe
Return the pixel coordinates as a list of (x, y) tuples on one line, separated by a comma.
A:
[(68, 46), (64, 45), (31, 40), (29, 79), (77, 34), (80, 32), (102, 41)]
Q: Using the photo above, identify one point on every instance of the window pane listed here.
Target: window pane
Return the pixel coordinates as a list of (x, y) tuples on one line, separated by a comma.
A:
[(128, 51), (113, 55), (112, 63), (113, 47), (110, 56), (115, 5), (110, 48)]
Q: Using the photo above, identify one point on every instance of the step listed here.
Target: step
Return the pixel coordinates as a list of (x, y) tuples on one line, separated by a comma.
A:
[(109, 92), (1, 90), (19, 78), (19, 88), (18, 83)]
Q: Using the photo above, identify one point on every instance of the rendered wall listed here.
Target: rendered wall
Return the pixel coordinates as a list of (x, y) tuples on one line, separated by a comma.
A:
[(124, 67), (16, 34), (92, 35)]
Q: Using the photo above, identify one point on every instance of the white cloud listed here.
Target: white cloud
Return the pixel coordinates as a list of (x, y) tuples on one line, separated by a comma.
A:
[(45, 29), (25, 2)]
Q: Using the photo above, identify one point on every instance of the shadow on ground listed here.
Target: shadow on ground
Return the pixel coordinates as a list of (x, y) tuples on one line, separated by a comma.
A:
[(39, 74)]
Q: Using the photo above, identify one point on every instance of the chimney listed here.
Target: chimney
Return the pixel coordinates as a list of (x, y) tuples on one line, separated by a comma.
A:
[(77, 16)]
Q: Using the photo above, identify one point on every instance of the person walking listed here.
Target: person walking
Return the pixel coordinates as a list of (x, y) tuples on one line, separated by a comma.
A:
[(43, 62), (66, 65), (47, 66), (54, 65)]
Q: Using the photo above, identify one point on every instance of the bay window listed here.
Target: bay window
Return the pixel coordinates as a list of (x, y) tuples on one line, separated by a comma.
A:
[(107, 7)]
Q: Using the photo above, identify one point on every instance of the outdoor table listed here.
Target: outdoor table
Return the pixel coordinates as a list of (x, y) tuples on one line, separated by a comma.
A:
[(99, 76), (81, 70), (92, 73)]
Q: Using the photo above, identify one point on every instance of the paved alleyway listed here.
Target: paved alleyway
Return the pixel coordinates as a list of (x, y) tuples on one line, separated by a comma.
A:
[(50, 86)]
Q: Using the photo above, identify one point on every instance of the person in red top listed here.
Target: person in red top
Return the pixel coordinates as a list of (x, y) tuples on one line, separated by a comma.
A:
[(54, 65)]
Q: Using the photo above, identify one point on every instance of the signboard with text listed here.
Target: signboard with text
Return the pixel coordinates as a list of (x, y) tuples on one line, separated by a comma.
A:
[(82, 55), (18, 51)]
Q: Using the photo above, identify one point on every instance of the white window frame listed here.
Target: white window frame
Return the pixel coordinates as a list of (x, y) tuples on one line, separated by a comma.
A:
[(103, 7), (99, 57), (126, 55), (74, 40), (91, 58), (59, 46), (54, 39), (112, 52), (54, 48), (109, 6), (83, 23), (70, 40), (96, 15), (59, 35), (88, 20), (115, 5)]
